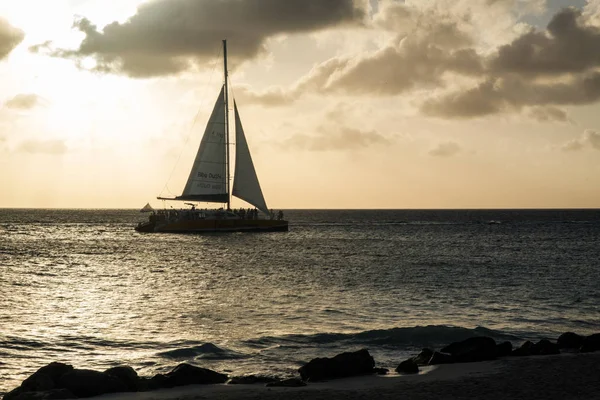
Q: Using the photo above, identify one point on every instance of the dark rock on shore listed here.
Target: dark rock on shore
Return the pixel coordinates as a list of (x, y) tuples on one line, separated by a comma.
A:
[(342, 365), (43, 383), (541, 348), (479, 348), (544, 347), (127, 375), (186, 374), (504, 349), (524, 350), (61, 381), (45, 378), (423, 357), (408, 367), (569, 340), (590, 343), (441, 358), (380, 371), (89, 383)]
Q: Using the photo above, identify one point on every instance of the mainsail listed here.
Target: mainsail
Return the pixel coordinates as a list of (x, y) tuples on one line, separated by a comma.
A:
[(208, 179), (245, 184)]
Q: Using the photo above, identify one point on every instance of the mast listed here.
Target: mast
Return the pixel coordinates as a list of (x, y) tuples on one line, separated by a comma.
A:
[(226, 122)]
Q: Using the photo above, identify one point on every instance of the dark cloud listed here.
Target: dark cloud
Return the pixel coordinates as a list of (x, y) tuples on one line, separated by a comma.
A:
[(539, 69), (168, 36), (10, 37), (512, 93), (536, 73), (55, 147), (446, 149), (332, 139), (23, 101), (568, 45), (407, 63)]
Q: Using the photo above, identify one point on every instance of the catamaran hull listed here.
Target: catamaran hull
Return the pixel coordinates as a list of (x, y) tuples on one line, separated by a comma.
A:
[(202, 226)]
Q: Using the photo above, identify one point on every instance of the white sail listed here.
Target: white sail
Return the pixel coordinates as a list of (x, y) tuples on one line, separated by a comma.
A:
[(208, 178), (245, 183), (147, 208)]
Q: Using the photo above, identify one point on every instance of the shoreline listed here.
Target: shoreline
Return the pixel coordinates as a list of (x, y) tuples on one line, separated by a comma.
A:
[(562, 376)]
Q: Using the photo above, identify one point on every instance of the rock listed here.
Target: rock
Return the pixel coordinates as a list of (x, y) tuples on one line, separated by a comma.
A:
[(440, 358), (186, 374), (43, 380), (524, 350), (127, 375), (46, 378), (251, 380), (38, 382), (544, 347), (408, 367), (569, 340), (89, 383), (479, 348), (590, 343), (380, 371), (13, 394), (342, 365), (291, 382), (423, 357), (504, 349), (54, 394), (154, 383)]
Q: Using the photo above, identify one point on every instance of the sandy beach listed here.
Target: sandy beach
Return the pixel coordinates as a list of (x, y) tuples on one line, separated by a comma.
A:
[(565, 376)]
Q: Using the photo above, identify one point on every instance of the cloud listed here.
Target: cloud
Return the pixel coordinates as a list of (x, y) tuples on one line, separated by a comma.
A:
[(435, 54), (539, 69), (445, 149), (10, 37), (549, 114), (335, 139), (169, 36), (43, 147), (567, 45), (589, 139), (511, 93), (592, 138), (23, 101), (271, 97), (427, 46)]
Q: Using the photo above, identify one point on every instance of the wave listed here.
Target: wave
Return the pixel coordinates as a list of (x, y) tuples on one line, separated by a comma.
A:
[(406, 337), (206, 351)]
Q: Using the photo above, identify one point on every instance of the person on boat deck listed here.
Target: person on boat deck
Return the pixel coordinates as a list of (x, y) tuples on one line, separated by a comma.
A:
[(280, 215), (271, 214)]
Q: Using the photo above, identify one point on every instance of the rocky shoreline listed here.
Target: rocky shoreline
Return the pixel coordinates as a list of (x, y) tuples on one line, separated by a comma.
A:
[(62, 381)]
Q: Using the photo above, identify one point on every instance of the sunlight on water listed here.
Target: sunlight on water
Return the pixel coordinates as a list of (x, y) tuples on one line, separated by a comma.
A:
[(83, 288)]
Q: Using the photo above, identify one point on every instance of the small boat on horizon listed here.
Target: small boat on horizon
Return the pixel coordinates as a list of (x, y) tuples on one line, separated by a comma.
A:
[(209, 182)]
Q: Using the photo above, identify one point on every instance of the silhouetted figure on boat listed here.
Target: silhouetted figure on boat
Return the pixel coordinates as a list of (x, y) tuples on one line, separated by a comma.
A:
[(280, 215)]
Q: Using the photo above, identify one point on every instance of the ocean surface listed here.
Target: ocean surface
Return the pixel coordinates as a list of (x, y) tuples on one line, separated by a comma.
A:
[(81, 287)]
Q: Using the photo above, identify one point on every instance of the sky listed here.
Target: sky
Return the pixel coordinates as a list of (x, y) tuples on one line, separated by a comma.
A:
[(345, 103)]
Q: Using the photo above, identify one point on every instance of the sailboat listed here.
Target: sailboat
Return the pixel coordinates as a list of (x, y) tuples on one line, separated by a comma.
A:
[(209, 181)]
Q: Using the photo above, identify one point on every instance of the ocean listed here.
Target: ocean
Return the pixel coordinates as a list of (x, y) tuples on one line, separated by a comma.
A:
[(82, 287)]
